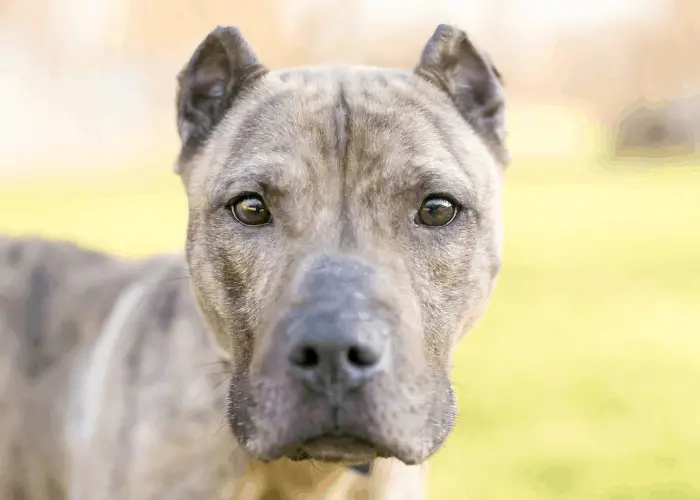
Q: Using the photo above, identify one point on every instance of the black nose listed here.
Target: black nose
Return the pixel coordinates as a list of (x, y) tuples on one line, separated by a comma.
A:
[(337, 336), (334, 358)]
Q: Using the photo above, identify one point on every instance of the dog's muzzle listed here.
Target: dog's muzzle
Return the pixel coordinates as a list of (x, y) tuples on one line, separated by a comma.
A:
[(328, 360)]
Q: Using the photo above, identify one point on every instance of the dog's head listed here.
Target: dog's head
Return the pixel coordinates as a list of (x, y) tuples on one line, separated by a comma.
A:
[(344, 233)]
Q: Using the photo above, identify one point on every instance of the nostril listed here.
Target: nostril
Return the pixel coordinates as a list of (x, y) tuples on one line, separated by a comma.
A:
[(363, 357), (305, 357)]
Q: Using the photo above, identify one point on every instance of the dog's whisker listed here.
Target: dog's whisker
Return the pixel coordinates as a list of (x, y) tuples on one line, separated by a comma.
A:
[(217, 362), (177, 278), (222, 426), (219, 383), (314, 470)]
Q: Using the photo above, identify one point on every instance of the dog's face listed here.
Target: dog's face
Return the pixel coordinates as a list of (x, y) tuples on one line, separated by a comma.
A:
[(344, 233)]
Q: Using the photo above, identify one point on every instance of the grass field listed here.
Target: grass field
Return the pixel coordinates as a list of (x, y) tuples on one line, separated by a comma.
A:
[(583, 380)]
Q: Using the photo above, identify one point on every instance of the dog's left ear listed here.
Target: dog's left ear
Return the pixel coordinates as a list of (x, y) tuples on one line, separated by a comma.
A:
[(452, 62), (222, 66)]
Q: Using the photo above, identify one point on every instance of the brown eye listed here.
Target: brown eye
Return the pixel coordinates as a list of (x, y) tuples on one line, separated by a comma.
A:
[(250, 210), (436, 211)]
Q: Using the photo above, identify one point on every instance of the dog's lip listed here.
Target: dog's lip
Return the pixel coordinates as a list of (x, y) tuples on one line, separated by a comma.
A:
[(342, 448)]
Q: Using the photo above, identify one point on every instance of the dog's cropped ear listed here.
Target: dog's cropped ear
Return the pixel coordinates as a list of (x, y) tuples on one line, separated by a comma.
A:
[(452, 62), (220, 68)]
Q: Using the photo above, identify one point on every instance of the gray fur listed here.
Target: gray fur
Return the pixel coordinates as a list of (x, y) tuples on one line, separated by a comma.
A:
[(129, 370)]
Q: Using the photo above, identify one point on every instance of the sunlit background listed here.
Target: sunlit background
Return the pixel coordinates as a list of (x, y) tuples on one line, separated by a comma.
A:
[(583, 380)]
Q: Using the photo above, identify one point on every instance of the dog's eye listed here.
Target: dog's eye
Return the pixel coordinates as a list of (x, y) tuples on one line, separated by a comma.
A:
[(436, 211), (250, 210)]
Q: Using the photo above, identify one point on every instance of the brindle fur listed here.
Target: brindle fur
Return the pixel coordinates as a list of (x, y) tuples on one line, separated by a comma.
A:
[(124, 379)]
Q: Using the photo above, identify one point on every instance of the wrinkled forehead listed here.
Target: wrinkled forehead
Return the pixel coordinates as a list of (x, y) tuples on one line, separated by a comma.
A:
[(305, 127)]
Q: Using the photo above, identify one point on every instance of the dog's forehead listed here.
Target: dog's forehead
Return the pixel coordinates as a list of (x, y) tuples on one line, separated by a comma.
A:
[(334, 122)]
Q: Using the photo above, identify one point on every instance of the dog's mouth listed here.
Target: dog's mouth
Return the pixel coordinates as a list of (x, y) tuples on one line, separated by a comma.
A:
[(336, 448)]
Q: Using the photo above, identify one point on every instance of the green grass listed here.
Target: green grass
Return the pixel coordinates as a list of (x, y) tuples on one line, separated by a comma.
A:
[(583, 379)]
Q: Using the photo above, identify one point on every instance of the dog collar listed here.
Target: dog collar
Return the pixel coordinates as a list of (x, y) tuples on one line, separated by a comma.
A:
[(364, 469)]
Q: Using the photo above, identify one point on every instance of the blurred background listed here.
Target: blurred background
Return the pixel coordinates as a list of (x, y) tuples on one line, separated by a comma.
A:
[(583, 380)]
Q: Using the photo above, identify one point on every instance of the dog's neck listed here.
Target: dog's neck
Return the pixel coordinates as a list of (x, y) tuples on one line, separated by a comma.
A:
[(290, 479), (309, 479)]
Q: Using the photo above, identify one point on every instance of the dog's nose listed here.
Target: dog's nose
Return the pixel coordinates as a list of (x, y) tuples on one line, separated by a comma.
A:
[(338, 336), (323, 359)]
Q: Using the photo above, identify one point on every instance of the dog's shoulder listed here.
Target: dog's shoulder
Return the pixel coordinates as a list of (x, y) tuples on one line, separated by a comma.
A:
[(53, 296), (95, 347)]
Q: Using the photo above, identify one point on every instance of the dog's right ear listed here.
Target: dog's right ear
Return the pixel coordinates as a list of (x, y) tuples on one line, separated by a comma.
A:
[(220, 68)]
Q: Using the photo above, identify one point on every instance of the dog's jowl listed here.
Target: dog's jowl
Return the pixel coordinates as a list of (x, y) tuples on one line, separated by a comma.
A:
[(344, 233)]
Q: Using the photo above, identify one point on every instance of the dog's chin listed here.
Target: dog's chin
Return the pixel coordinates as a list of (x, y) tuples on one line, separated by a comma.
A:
[(341, 449)]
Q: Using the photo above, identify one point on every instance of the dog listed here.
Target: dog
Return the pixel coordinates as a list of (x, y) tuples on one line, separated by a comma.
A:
[(344, 233)]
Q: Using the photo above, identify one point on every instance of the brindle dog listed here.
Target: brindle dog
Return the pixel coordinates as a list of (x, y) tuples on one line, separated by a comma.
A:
[(344, 234)]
